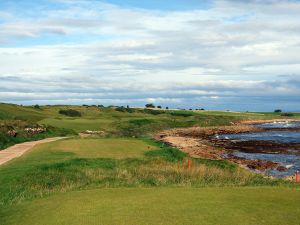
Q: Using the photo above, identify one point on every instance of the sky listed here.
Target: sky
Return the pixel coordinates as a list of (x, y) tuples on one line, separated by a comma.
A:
[(229, 55)]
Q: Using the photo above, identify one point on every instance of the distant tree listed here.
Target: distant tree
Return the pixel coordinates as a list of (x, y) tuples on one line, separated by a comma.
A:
[(202, 109), (277, 110), (190, 109), (159, 107), (127, 106), (100, 106), (167, 107), (150, 105), (37, 106)]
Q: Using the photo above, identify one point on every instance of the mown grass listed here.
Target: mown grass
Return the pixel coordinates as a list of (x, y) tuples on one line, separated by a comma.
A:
[(168, 206), (67, 165)]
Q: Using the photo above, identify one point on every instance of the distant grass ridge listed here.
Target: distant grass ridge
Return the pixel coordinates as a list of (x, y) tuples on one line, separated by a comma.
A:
[(126, 121)]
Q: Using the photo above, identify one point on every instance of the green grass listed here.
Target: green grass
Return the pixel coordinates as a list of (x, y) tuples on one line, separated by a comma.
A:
[(139, 123), (101, 148), (205, 206), (111, 180), (80, 124), (73, 164)]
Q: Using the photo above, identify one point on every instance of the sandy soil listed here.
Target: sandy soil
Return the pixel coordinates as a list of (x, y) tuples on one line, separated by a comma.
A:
[(19, 149)]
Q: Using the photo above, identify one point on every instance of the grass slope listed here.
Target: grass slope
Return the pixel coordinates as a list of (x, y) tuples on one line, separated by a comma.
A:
[(205, 206)]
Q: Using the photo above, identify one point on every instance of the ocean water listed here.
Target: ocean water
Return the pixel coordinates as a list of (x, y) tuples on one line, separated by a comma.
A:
[(276, 136), (290, 161), (279, 125)]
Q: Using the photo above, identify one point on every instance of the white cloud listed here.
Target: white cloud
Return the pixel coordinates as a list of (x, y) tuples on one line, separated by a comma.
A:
[(233, 49)]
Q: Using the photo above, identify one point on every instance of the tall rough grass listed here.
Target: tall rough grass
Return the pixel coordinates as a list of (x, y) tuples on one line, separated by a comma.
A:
[(151, 171)]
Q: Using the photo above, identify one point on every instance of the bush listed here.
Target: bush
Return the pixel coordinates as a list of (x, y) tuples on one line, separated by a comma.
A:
[(181, 113), (287, 114), (153, 112), (123, 109), (69, 112), (150, 105), (140, 122)]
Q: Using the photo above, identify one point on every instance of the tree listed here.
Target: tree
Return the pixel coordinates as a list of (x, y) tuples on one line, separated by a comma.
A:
[(167, 107), (37, 106), (159, 107), (277, 110), (150, 105)]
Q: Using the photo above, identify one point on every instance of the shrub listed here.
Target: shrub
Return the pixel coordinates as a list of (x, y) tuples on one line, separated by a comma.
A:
[(123, 109), (181, 113), (287, 114), (69, 112), (153, 112), (141, 122), (150, 105)]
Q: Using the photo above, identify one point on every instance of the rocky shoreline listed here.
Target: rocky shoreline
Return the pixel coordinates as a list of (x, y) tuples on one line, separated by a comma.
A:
[(201, 142)]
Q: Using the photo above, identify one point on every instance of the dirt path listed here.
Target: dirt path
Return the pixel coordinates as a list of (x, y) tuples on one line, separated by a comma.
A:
[(19, 149)]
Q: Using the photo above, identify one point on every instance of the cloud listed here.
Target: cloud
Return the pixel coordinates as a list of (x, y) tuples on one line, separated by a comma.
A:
[(226, 53)]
